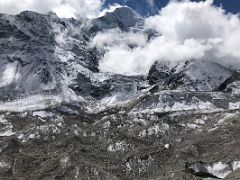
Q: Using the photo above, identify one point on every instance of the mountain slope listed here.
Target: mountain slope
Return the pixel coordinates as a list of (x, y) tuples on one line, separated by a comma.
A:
[(189, 75), (38, 60)]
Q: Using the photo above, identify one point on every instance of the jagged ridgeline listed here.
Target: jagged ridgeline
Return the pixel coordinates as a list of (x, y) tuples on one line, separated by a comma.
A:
[(63, 118)]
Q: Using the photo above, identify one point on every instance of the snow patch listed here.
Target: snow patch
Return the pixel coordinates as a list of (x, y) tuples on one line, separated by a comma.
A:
[(32, 103), (6, 127), (155, 130), (118, 146), (9, 74), (234, 106), (43, 114), (226, 117)]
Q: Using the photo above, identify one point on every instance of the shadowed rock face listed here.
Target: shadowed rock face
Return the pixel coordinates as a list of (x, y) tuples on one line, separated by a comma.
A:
[(231, 84), (60, 118)]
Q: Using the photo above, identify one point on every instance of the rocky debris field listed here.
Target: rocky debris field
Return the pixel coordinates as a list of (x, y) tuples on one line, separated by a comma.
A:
[(119, 145)]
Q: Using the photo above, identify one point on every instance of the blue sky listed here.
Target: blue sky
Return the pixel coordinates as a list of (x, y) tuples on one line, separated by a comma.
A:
[(228, 5), (91, 8), (140, 6)]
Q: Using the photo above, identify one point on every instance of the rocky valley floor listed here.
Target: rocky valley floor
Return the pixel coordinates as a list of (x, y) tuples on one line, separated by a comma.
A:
[(115, 144)]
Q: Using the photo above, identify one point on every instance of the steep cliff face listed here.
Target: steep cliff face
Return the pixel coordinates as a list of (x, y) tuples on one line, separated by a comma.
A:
[(39, 51), (60, 118)]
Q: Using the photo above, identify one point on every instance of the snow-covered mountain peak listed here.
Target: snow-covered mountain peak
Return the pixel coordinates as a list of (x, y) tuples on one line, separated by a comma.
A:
[(193, 75), (143, 7), (123, 18)]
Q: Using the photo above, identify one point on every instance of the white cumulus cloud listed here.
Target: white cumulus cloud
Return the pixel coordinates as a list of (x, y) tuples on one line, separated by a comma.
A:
[(187, 30), (63, 8), (116, 36)]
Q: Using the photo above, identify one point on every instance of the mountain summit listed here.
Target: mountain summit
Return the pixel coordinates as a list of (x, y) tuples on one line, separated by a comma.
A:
[(143, 7)]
